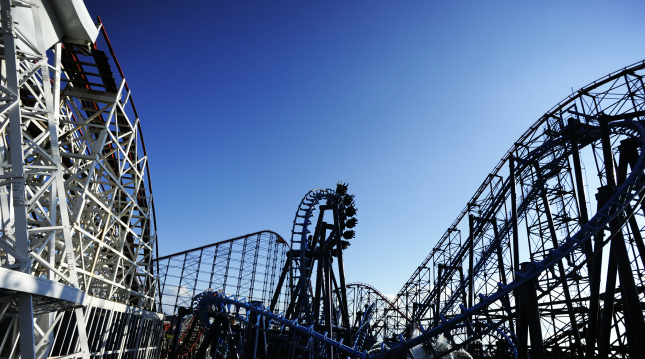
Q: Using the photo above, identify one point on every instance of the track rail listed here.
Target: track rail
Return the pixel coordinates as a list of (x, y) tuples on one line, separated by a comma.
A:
[(231, 305), (380, 295), (471, 299), (407, 288), (614, 209)]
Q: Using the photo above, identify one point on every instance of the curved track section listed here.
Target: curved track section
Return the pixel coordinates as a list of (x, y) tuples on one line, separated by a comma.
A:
[(460, 328), (248, 266), (76, 202), (538, 202), (552, 234), (212, 305), (612, 213), (314, 295), (304, 244), (362, 295), (300, 270)]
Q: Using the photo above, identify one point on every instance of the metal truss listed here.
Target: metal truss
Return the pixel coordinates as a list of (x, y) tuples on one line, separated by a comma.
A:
[(311, 258), (550, 264), (77, 232), (542, 194), (313, 290), (360, 296), (544, 268), (545, 261), (248, 266)]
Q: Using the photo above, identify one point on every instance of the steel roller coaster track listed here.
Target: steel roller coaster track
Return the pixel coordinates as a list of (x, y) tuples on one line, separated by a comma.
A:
[(545, 261), (363, 293), (547, 267)]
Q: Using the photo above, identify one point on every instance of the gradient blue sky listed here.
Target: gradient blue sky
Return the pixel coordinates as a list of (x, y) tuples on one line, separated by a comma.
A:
[(247, 105)]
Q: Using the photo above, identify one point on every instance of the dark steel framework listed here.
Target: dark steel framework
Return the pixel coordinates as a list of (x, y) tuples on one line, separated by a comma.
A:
[(247, 266), (361, 295), (545, 260), (311, 284), (542, 194)]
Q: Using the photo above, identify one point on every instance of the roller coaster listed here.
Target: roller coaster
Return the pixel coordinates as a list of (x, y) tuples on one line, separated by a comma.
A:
[(77, 222), (544, 261)]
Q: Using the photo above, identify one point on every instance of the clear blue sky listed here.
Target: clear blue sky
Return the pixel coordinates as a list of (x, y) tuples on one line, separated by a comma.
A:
[(247, 105)]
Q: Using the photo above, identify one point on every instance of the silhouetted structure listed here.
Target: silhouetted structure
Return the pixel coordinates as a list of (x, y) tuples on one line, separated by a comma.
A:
[(534, 257)]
